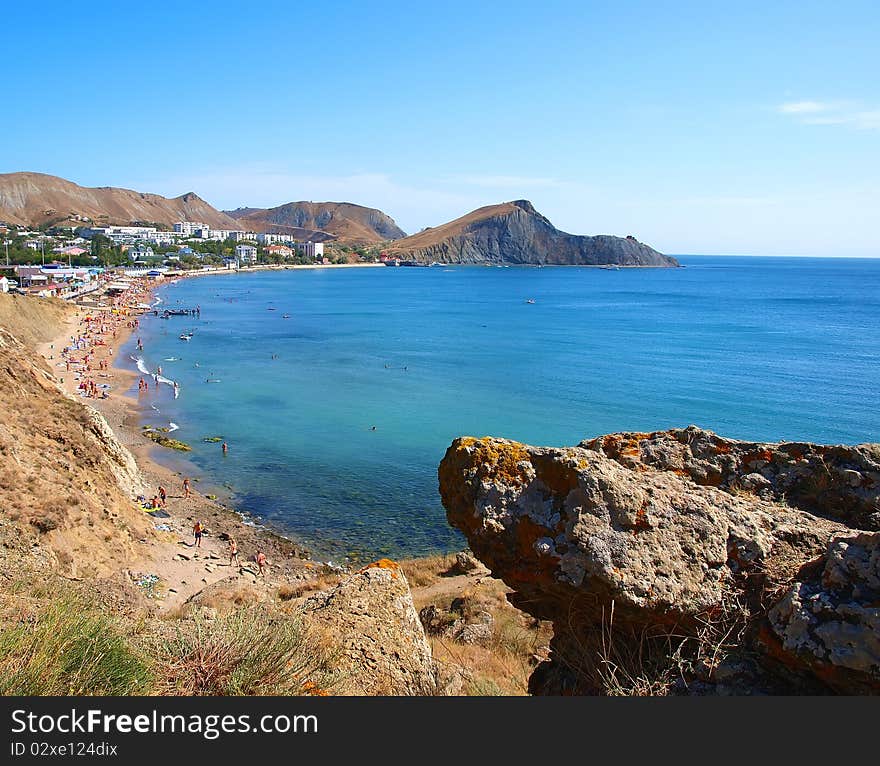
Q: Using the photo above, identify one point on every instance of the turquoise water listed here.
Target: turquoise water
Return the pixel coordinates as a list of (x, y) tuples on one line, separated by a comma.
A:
[(754, 348)]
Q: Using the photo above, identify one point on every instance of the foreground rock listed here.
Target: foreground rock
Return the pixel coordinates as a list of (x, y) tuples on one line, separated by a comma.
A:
[(839, 482), (370, 620), (656, 583)]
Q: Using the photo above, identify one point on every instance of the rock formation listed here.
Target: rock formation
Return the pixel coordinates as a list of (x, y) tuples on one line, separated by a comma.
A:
[(322, 221), (514, 232), (667, 567), (839, 482), (381, 645)]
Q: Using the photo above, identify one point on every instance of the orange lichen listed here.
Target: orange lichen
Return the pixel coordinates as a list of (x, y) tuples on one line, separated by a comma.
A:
[(314, 690), (764, 454), (642, 518), (500, 460), (391, 566)]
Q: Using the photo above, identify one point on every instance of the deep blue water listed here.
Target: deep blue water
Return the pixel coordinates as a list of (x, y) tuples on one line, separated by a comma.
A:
[(754, 348)]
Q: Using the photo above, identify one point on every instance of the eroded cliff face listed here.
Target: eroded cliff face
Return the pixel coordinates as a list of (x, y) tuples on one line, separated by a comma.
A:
[(514, 232), (653, 575)]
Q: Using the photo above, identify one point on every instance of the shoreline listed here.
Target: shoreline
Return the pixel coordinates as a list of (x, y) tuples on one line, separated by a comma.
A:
[(183, 571)]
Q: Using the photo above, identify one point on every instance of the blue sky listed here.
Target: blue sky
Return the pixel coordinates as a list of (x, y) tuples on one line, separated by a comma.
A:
[(698, 127)]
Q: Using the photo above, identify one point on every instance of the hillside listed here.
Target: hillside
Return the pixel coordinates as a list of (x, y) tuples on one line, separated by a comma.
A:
[(514, 232), (63, 471), (34, 199), (322, 221)]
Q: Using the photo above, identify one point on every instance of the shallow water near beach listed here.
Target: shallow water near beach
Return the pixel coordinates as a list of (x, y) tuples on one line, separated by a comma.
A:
[(753, 348)]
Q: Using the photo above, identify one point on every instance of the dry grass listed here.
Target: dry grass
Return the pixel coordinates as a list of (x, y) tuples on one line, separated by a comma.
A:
[(65, 646), (618, 659), (294, 590), (426, 571), (249, 651), (503, 664)]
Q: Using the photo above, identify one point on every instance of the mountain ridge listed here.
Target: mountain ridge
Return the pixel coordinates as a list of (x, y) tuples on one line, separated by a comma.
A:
[(36, 199), (345, 221)]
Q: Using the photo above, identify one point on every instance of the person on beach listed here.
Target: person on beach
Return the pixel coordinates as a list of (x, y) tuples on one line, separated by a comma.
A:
[(186, 487), (197, 534), (233, 551), (261, 563)]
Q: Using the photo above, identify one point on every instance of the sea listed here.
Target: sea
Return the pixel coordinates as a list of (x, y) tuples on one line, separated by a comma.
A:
[(338, 391)]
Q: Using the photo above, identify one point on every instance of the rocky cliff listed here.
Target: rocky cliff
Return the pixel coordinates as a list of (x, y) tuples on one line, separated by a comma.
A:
[(322, 221), (680, 562), (514, 232), (34, 199)]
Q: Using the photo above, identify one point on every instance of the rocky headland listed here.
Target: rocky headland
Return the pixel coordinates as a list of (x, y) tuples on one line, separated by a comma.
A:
[(516, 233)]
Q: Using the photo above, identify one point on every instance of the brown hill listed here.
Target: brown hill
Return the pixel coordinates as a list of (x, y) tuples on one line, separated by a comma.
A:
[(321, 221), (514, 232), (33, 199), (62, 471)]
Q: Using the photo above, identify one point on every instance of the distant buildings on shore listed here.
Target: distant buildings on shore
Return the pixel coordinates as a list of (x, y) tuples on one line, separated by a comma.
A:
[(144, 247)]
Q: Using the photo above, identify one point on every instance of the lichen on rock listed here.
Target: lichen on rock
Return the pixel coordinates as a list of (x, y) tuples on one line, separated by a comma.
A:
[(662, 532)]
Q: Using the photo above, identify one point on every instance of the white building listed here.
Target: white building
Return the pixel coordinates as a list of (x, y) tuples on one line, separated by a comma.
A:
[(313, 249), (139, 252), (162, 238), (275, 239), (246, 254), (189, 227), (241, 236)]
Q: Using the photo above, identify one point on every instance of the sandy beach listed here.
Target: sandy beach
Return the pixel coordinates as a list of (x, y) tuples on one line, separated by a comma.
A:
[(181, 569)]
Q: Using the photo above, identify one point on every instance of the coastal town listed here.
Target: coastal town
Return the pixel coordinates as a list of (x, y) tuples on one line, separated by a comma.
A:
[(72, 262)]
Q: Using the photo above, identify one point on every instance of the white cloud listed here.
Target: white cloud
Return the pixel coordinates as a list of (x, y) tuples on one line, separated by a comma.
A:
[(804, 107), (832, 113)]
